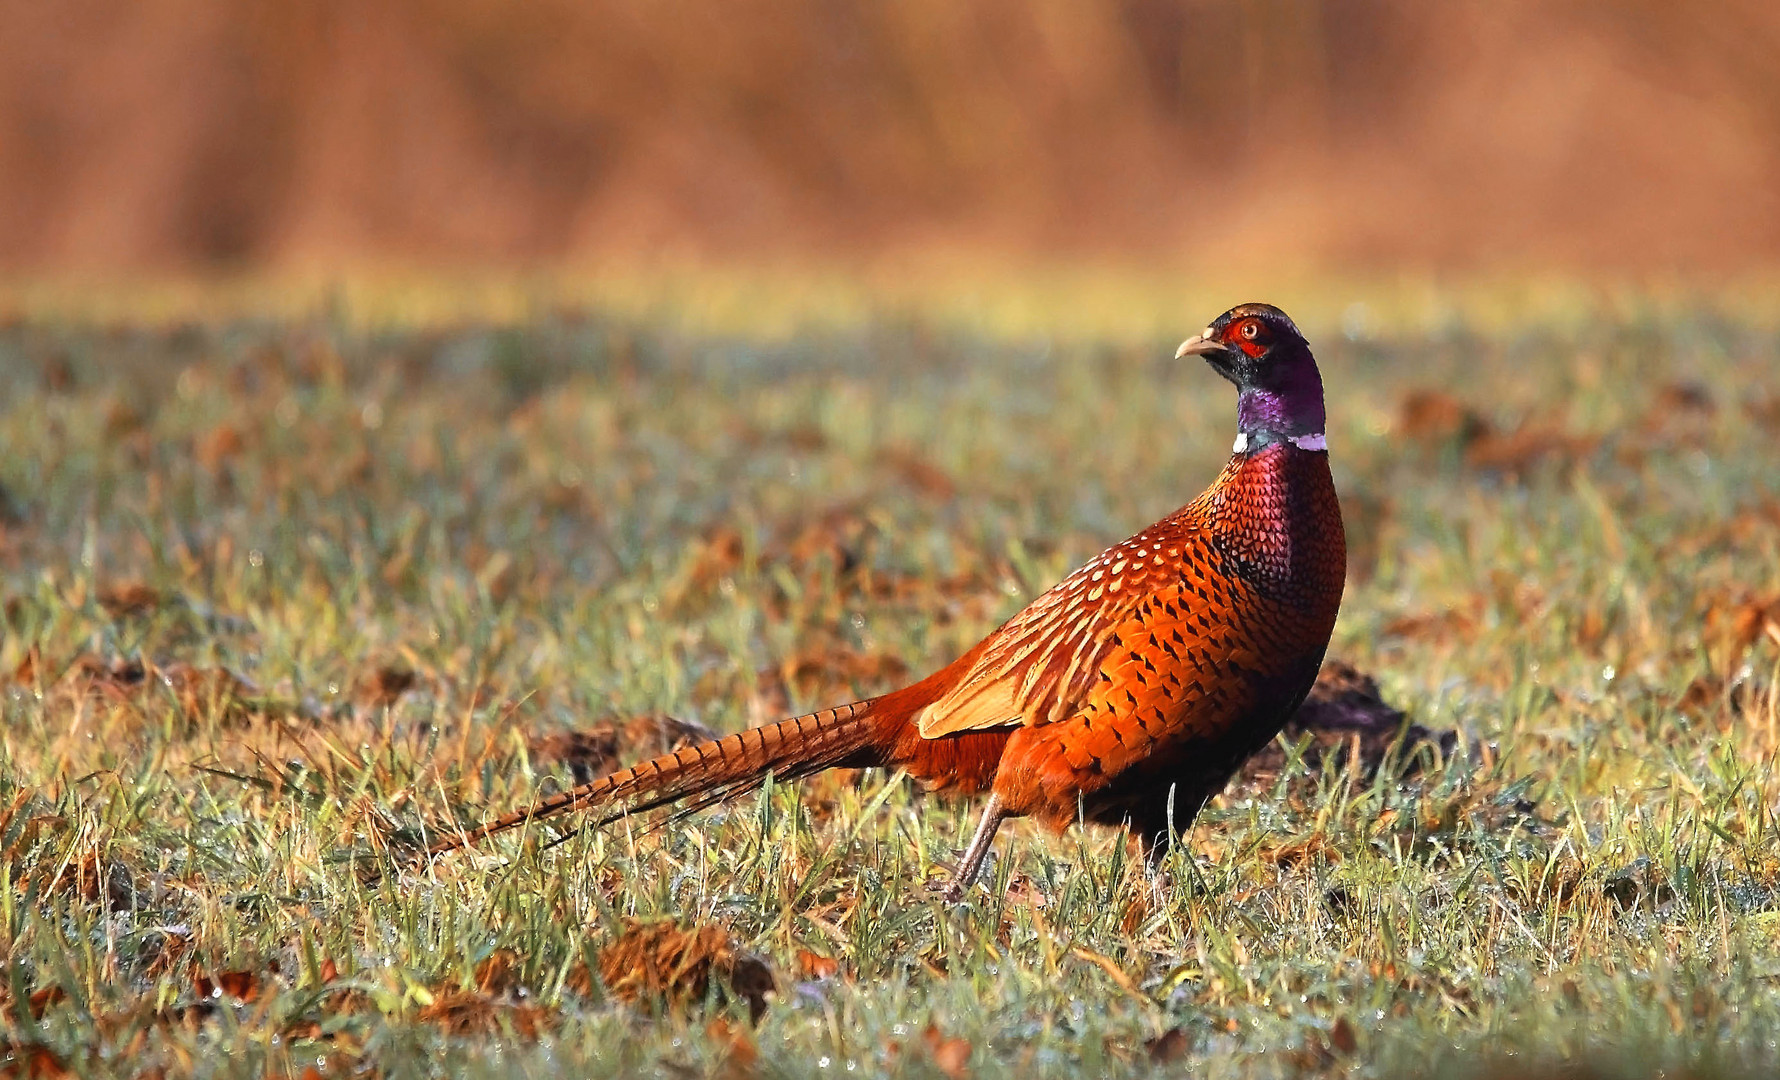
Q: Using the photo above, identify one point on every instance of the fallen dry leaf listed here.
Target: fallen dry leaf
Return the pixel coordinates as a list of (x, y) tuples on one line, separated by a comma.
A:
[(1301, 851), (1681, 398), (587, 755), (385, 685), (592, 752), (29, 667), (1451, 623), (1519, 451), (951, 1056), (813, 965), (469, 1012), (41, 1000), (837, 536), (1171, 1045), (919, 473), (1763, 407), (818, 672), (92, 882), (1737, 623), (218, 446), (129, 598), (660, 962), (244, 986), (33, 1062), (1430, 416), (740, 1053), (655, 734), (199, 692), (499, 973), (1708, 693), (165, 949), (716, 556), (121, 418)]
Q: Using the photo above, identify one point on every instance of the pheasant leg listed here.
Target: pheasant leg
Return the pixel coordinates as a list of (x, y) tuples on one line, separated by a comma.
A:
[(972, 863)]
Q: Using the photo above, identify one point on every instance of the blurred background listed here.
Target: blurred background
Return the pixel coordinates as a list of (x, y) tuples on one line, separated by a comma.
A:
[(1624, 137)]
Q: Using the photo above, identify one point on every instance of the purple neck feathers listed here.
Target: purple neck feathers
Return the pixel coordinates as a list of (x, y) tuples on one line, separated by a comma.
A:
[(1293, 405)]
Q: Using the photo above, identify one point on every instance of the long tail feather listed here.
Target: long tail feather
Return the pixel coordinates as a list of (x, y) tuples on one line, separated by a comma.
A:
[(710, 772)]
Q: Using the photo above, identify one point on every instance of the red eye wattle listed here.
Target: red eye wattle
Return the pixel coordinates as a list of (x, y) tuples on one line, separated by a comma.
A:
[(1252, 336)]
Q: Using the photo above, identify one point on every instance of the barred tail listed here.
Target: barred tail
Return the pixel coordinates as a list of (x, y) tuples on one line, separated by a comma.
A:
[(710, 772)]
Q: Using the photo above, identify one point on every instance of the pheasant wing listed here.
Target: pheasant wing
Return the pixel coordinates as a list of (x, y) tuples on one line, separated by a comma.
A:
[(1041, 666)]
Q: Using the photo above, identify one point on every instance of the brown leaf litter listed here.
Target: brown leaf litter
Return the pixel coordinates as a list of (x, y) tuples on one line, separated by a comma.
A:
[(814, 965), (135, 682), (130, 598), (93, 880), (610, 744), (820, 672), (1437, 420), (1456, 622), (495, 1005), (1735, 623), (659, 963), (949, 1054), (31, 1060), (385, 684), (218, 446), (835, 550), (1171, 1045), (1706, 695), (1433, 418)]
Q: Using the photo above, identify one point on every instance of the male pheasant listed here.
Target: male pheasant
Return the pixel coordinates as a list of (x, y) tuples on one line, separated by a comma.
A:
[(1128, 693)]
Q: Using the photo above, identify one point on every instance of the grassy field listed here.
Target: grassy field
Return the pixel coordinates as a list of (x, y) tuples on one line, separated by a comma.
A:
[(283, 592)]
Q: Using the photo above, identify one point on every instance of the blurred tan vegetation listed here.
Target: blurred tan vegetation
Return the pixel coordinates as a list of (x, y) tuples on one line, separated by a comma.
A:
[(1583, 134)]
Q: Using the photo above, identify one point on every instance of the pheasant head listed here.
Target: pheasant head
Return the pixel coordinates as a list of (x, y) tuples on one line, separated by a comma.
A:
[(1279, 392)]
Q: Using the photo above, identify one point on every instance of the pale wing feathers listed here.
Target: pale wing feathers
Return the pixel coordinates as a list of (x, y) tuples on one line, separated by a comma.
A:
[(1042, 664)]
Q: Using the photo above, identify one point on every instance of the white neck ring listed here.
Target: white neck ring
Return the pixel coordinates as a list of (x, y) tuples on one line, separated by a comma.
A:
[(1302, 442)]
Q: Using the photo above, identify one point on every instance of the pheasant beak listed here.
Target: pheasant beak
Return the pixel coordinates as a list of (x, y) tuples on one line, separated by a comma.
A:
[(1200, 345), (1222, 358)]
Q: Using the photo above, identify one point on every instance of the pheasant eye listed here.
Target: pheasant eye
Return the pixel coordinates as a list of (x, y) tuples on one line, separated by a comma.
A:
[(1250, 330)]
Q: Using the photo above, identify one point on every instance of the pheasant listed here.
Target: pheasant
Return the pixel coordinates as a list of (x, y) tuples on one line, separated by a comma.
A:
[(1128, 693)]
